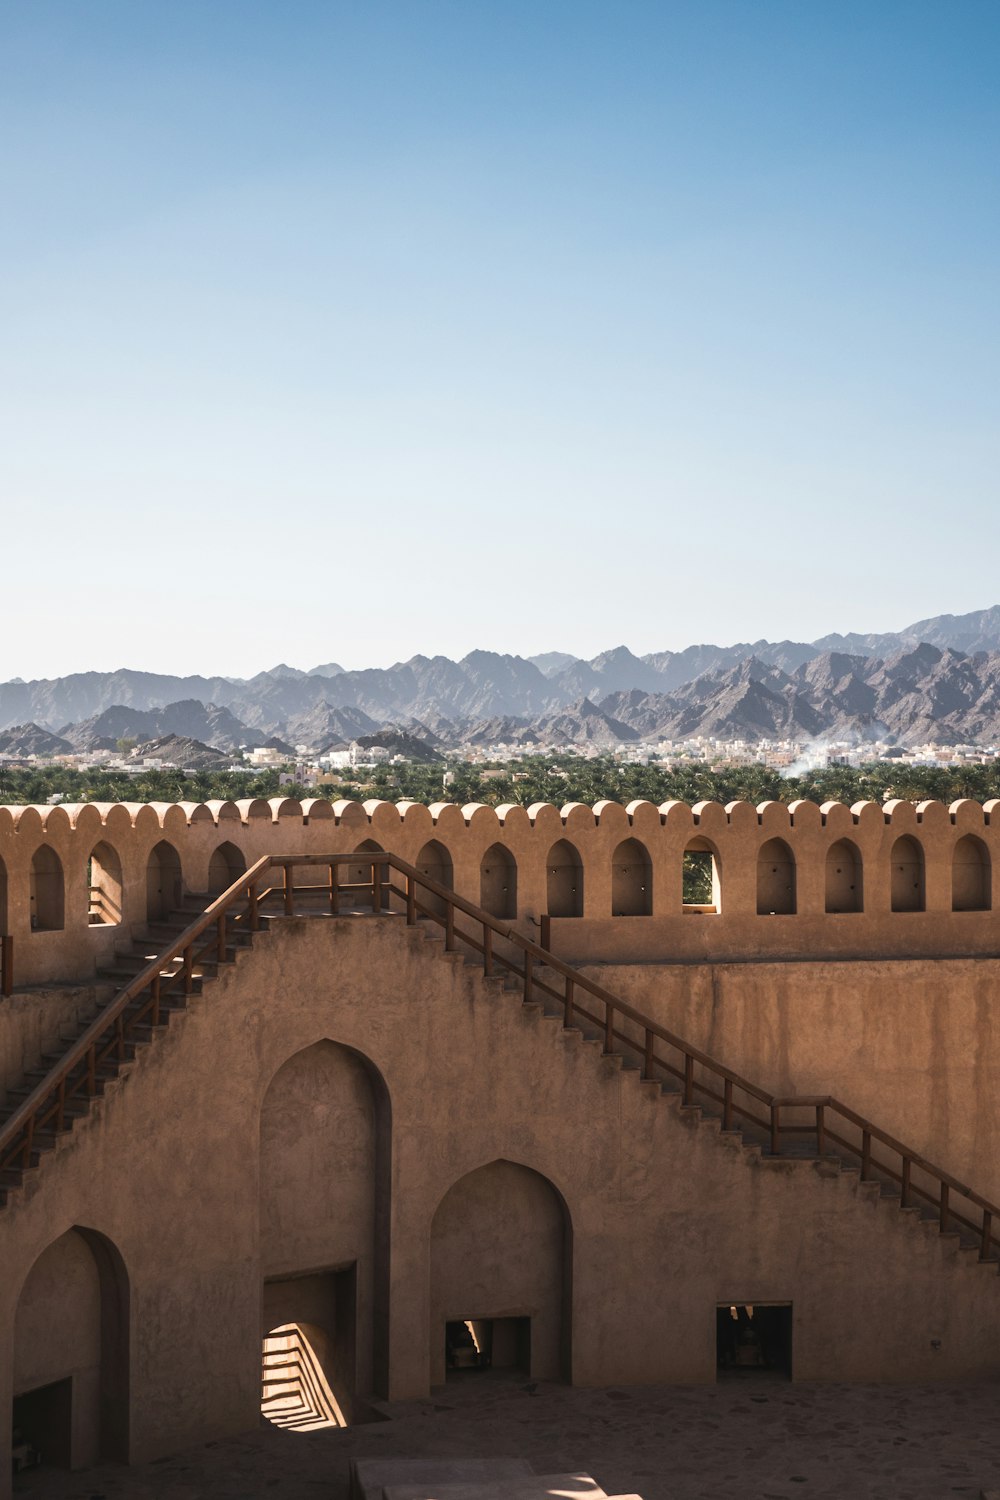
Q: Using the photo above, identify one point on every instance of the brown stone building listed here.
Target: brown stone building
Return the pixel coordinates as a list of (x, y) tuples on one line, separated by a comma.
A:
[(419, 1070)]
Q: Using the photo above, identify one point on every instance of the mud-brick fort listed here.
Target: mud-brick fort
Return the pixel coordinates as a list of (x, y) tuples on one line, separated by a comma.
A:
[(431, 1087)]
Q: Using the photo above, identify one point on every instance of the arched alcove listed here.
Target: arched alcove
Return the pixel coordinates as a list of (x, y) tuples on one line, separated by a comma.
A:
[(907, 875), (48, 898), (631, 880), (71, 1356), (701, 877), (775, 879), (434, 861), (324, 1213), (359, 872), (226, 865), (164, 885), (844, 887), (970, 875), (564, 880), (104, 881), (498, 882), (501, 1255)]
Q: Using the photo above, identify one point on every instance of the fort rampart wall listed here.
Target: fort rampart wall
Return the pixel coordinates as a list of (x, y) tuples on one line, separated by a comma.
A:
[(790, 881)]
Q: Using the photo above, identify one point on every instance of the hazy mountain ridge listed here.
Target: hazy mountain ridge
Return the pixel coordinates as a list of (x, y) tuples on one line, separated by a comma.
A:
[(902, 686)]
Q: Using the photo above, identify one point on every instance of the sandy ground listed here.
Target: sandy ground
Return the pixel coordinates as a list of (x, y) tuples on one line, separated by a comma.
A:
[(753, 1438)]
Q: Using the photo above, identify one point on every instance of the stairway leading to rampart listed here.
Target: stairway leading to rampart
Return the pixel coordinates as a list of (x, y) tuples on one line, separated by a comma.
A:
[(180, 956)]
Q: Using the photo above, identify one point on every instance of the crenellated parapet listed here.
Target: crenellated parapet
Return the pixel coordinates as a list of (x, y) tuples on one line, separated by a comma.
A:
[(702, 883)]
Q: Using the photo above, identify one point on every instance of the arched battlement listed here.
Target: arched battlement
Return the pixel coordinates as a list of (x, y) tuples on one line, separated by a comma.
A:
[(950, 885)]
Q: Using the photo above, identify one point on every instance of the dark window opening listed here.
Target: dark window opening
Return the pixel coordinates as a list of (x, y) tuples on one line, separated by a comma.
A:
[(754, 1339), (488, 1344), (43, 1424)]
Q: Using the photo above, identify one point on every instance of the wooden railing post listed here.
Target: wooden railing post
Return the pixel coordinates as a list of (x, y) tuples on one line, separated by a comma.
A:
[(820, 1131), (376, 888), (545, 923), (29, 1140), (254, 908), (188, 969), (727, 1104), (154, 990), (92, 1068), (775, 1129), (411, 901), (688, 1096), (220, 937), (985, 1241), (289, 892), (568, 1002), (6, 964), (487, 949), (866, 1155), (943, 1212), (449, 928), (334, 890), (904, 1200), (647, 1059)]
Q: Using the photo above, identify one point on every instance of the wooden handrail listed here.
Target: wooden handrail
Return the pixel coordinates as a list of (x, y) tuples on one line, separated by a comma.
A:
[(18, 1131)]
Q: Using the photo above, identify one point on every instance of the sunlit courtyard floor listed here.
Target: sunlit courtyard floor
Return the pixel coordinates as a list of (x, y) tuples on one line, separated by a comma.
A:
[(755, 1439)]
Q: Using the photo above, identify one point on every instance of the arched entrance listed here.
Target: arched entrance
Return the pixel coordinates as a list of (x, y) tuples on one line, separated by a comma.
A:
[(631, 880), (434, 861), (775, 879), (164, 887), (498, 882), (47, 891), (501, 1246), (564, 880), (105, 886), (226, 866), (71, 1359), (324, 1213), (844, 889)]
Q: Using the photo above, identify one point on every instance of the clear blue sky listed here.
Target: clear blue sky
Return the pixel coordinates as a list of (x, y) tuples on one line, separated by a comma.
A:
[(347, 331)]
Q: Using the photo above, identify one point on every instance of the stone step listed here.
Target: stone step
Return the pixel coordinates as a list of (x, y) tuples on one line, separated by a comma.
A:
[(370, 1477), (577, 1486)]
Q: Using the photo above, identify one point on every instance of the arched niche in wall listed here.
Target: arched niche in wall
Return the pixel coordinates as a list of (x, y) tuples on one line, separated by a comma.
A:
[(48, 893), (325, 1137), (434, 861), (359, 872), (844, 887), (3, 899), (631, 880), (226, 865), (164, 883), (104, 881), (498, 882), (701, 881), (775, 879), (71, 1353), (907, 874), (501, 1255), (564, 880), (970, 875)]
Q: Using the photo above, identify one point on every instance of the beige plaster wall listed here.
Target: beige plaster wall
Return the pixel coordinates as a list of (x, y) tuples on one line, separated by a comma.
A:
[(666, 1219)]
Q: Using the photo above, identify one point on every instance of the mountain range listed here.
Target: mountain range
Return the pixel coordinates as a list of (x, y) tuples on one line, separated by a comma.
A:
[(937, 679)]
